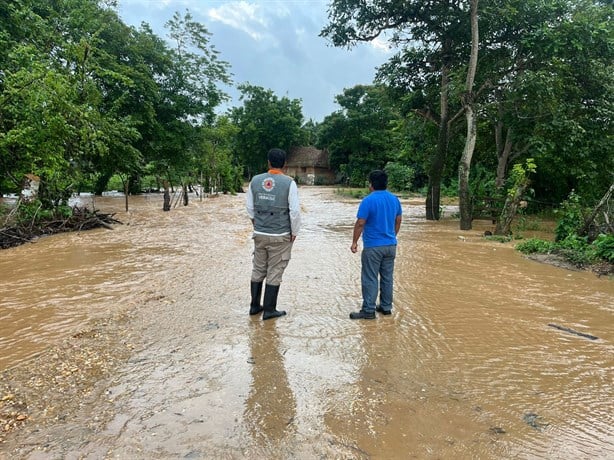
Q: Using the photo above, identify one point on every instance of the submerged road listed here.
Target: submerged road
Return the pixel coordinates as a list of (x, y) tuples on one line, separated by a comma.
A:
[(465, 367)]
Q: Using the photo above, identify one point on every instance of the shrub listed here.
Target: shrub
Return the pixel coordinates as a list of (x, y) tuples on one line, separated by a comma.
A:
[(573, 242), (604, 247), (499, 238), (400, 176), (535, 245), (572, 217), (64, 211), (450, 190), (578, 257)]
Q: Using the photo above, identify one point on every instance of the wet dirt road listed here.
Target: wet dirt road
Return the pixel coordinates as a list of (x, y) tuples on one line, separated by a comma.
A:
[(466, 367)]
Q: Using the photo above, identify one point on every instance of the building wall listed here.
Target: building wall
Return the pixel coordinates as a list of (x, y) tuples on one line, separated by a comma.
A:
[(311, 176)]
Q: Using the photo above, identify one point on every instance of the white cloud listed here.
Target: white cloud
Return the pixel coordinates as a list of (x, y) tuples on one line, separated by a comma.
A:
[(274, 44), (381, 44), (243, 16), (156, 4)]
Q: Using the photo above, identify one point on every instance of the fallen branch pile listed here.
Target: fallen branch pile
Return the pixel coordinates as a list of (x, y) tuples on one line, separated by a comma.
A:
[(81, 219)]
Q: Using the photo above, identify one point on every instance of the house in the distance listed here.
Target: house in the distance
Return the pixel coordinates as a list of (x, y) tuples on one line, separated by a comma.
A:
[(309, 166)]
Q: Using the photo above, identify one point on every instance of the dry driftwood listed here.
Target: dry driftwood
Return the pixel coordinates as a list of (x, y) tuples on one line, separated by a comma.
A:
[(590, 220), (81, 219)]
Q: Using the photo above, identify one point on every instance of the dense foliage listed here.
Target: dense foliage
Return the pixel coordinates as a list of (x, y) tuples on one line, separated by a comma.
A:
[(580, 238), (85, 99), (576, 250), (360, 136), (543, 87), (263, 121)]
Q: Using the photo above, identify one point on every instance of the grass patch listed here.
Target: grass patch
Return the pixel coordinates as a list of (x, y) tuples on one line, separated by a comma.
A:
[(499, 238), (349, 192), (574, 249), (361, 192)]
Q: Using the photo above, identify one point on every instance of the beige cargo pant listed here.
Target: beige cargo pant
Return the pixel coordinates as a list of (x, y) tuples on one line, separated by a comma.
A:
[(271, 257)]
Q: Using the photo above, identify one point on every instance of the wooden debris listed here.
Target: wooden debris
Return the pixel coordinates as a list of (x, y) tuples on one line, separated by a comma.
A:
[(571, 331), (81, 219)]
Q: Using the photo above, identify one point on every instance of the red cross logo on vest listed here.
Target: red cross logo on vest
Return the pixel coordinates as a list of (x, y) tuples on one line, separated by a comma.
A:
[(268, 184)]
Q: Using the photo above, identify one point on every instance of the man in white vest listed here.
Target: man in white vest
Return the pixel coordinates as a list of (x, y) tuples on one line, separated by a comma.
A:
[(273, 206)]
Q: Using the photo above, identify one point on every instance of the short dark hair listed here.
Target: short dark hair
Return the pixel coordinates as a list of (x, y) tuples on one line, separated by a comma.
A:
[(277, 158), (378, 179)]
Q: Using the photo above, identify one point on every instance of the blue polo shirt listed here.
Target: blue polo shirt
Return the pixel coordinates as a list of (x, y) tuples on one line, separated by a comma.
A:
[(379, 209)]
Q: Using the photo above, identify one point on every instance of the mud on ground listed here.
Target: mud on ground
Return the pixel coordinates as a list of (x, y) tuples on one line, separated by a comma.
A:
[(188, 374), (65, 381), (600, 269)]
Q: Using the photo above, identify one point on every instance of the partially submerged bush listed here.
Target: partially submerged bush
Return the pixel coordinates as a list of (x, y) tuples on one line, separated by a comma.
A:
[(572, 214), (604, 247), (575, 249), (572, 240), (535, 245), (400, 176)]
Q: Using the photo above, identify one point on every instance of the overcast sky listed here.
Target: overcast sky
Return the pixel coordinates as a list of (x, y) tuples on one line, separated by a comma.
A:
[(273, 44)]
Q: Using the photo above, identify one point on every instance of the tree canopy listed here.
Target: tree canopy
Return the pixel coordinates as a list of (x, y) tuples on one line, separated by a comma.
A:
[(543, 85), (265, 121), (84, 97)]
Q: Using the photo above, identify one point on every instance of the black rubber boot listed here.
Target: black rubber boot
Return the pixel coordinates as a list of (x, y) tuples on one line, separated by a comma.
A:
[(362, 315), (270, 303), (256, 289)]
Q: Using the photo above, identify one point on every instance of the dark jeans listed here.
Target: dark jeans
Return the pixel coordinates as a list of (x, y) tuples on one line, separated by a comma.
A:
[(377, 262)]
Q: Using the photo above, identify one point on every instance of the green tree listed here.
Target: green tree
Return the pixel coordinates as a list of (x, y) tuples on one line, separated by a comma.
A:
[(360, 137), (216, 168), (550, 69), (58, 117), (264, 122), (189, 91), (84, 95), (573, 139), (37, 107), (431, 38), (543, 88)]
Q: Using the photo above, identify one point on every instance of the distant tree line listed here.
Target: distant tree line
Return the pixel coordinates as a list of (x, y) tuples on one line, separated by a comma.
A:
[(541, 89), (474, 91), (84, 97)]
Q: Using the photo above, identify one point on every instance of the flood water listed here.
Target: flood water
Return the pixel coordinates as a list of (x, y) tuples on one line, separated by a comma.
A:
[(467, 365)]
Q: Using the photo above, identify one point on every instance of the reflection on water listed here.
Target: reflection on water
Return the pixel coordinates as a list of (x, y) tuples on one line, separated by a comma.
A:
[(270, 406), (480, 313), (51, 287), (465, 367)]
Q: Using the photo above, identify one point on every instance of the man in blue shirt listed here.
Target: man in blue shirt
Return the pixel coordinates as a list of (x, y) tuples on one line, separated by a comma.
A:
[(378, 221)]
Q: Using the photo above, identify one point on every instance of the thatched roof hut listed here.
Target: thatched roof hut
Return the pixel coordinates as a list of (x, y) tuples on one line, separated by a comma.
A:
[(309, 166)]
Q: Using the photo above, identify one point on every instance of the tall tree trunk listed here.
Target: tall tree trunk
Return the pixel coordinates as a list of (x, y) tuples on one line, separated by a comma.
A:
[(126, 193), (438, 160), (185, 194), (166, 206), (504, 224), (504, 153), (464, 166)]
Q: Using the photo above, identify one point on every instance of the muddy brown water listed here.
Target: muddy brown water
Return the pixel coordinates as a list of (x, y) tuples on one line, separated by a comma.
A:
[(467, 365)]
